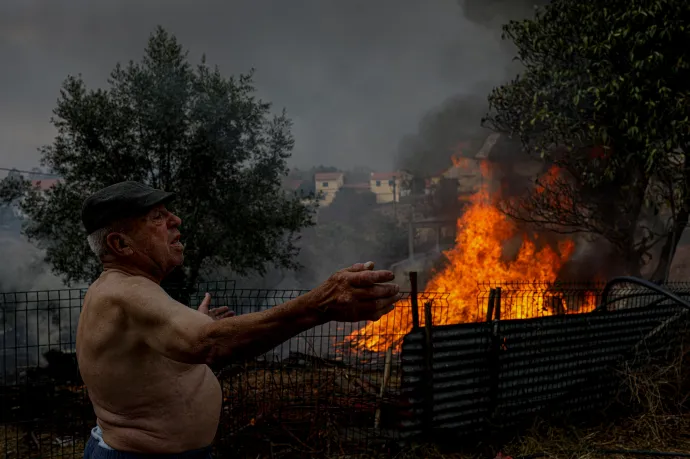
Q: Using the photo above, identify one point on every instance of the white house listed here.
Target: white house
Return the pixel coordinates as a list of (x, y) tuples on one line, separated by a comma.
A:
[(388, 186), (327, 185)]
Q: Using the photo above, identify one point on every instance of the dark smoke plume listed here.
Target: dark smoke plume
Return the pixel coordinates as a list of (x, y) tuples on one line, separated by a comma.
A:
[(494, 13), (454, 128)]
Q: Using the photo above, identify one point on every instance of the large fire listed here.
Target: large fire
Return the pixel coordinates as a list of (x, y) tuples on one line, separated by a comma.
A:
[(476, 259)]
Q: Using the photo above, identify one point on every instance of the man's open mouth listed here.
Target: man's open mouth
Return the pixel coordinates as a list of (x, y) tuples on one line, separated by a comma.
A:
[(176, 242)]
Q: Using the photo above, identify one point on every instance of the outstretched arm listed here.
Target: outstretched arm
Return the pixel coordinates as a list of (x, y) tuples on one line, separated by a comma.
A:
[(190, 336)]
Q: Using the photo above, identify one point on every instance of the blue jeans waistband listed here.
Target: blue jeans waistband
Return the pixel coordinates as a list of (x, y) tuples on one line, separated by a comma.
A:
[(97, 449)]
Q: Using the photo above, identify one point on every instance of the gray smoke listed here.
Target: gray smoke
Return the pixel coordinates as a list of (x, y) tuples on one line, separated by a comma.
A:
[(453, 128), (354, 76), (495, 13), (351, 230), (36, 313)]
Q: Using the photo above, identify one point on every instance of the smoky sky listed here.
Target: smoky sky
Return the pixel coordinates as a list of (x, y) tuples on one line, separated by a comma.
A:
[(354, 76)]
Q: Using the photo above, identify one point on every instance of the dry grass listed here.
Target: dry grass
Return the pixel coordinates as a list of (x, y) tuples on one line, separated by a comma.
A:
[(311, 407), (315, 409), (545, 440), (18, 443), (411, 452), (44, 421), (652, 413)]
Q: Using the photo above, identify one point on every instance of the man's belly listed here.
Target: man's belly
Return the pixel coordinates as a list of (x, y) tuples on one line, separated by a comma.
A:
[(182, 415)]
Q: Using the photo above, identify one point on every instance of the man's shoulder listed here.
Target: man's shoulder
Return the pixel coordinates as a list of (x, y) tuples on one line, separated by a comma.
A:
[(122, 290)]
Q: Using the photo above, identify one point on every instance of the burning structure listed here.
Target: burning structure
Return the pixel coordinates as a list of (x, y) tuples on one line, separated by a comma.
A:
[(489, 248)]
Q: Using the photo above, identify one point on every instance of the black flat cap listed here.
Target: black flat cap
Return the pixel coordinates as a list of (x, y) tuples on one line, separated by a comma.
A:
[(121, 200)]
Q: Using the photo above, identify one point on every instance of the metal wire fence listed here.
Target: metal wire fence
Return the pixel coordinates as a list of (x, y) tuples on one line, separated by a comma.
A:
[(549, 351), (331, 388), (526, 300), (334, 386)]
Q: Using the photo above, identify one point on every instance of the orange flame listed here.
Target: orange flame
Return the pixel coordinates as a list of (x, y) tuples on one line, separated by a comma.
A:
[(549, 188), (547, 180), (477, 258), (461, 162), (485, 168)]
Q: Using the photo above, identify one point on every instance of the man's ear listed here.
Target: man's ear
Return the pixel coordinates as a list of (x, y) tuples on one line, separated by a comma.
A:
[(118, 244)]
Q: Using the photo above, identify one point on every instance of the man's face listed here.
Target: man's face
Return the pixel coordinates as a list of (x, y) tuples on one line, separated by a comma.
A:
[(155, 240)]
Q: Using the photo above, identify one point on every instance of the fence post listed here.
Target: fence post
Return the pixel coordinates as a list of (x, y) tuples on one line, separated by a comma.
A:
[(490, 307), (384, 383), (428, 418), (494, 368), (413, 300), (498, 303)]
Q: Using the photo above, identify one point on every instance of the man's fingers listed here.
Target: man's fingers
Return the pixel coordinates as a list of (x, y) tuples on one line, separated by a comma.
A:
[(388, 304), (203, 307), (358, 267), (369, 278), (219, 310), (377, 291), (384, 306), (228, 314)]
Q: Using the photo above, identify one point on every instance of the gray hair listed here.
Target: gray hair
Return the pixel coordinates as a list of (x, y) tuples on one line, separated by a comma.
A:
[(97, 241)]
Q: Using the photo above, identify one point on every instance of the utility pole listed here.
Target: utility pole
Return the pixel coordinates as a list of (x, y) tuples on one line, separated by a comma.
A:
[(673, 252), (410, 240), (667, 274), (395, 198)]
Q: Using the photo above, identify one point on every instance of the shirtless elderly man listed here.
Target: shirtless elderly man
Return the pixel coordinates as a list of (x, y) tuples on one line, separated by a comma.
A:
[(144, 357)]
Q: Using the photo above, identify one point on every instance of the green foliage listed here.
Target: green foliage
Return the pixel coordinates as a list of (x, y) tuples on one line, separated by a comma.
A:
[(611, 74), (177, 127), (604, 95)]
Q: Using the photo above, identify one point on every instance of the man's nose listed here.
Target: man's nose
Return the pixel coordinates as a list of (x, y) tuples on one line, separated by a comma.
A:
[(175, 221)]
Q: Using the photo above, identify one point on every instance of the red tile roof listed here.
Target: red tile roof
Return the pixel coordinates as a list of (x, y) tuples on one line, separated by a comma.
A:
[(292, 184), (384, 175), (328, 175), (358, 186), (45, 184)]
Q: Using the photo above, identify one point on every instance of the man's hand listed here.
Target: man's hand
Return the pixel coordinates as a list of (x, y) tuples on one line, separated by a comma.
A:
[(216, 313), (357, 293)]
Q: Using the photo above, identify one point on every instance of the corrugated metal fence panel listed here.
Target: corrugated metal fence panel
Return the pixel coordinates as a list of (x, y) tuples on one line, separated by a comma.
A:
[(551, 365), (566, 364), (460, 378)]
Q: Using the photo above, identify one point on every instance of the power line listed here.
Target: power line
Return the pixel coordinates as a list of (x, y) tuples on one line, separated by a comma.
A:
[(28, 172)]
